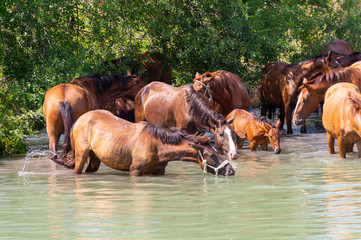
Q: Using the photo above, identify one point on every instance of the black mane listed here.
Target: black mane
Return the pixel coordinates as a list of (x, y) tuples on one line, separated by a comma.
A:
[(200, 107), (168, 136), (102, 81)]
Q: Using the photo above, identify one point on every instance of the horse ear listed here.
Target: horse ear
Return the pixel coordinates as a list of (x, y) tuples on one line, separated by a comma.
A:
[(197, 74), (128, 72), (202, 139), (230, 121), (304, 80), (196, 146), (278, 124)]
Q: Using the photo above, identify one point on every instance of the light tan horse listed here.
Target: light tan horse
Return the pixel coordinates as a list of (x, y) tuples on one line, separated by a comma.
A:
[(224, 89), (342, 117), (256, 130), (65, 103), (139, 148)]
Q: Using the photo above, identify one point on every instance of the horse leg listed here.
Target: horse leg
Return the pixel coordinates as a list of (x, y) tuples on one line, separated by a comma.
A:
[(253, 146), (330, 143), (264, 146), (358, 144), (341, 147), (282, 118), (264, 109), (288, 113), (303, 128), (349, 147), (239, 142), (81, 156), (94, 163)]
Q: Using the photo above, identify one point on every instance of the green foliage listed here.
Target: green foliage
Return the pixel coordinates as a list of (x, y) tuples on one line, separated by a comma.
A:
[(47, 42)]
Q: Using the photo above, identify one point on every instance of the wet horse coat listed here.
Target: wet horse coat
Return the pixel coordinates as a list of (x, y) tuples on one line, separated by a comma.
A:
[(65, 103), (138, 147), (342, 117), (163, 105), (312, 92), (225, 89), (256, 130)]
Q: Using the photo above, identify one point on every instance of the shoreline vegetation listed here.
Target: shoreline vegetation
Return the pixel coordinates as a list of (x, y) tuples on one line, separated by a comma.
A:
[(47, 43)]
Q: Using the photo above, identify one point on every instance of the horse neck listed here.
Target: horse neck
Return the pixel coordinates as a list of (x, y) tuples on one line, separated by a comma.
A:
[(182, 152)]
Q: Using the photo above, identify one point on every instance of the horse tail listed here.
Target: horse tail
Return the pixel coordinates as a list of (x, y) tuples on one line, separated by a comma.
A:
[(65, 111)]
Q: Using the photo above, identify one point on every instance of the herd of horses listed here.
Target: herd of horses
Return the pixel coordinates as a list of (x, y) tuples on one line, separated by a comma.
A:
[(131, 126)]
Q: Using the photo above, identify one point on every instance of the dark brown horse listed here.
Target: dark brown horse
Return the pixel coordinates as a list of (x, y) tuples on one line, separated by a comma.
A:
[(313, 91), (291, 79), (122, 107), (163, 105), (224, 90), (138, 147), (65, 103), (155, 64), (341, 117), (347, 60)]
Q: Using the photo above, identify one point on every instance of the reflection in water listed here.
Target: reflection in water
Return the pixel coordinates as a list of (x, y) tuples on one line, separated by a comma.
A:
[(302, 193)]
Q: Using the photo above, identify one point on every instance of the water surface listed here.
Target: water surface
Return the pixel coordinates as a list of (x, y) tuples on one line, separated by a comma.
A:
[(303, 193)]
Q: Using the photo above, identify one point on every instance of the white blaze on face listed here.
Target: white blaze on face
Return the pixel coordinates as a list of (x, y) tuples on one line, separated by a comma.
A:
[(299, 99), (232, 146)]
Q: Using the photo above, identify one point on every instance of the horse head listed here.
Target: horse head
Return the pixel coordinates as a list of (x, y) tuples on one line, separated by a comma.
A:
[(224, 137), (274, 137), (308, 100), (209, 158), (201, 83)]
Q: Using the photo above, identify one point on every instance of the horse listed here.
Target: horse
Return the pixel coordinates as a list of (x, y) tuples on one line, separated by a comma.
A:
[(139, 148), (342, 117), (312, 92), (291, 79), (121, 107), (338, 46), (348, 60), (163, 105), (223, 89), (256, 130), (155, 64), (65, 103)]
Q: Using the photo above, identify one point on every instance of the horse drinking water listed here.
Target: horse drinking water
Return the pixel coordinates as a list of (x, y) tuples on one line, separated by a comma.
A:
[(65, 103), (256, 130), (138, 147), (163, 105)]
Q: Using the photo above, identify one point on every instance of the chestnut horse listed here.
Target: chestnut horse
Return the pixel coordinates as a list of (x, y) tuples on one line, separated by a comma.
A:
[(138, 147), (338, 46), (256, 130), (342, 117), (65, 103), (163, 105), (224, 90), (312, 92), (290, 81)]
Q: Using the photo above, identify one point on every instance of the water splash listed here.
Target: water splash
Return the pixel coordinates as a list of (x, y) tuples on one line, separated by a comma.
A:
[(33, 156)]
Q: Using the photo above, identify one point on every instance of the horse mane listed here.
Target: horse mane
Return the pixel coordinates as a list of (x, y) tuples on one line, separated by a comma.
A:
[(262, 119), (168, 136), (101, 81), (355, 103), (199, 106), (337, 75)]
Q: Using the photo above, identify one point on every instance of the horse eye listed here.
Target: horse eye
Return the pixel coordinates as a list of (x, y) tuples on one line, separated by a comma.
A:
[(221, 134), (271, 137)]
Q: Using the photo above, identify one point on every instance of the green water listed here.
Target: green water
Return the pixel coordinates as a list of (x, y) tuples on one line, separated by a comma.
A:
[(303, 193)]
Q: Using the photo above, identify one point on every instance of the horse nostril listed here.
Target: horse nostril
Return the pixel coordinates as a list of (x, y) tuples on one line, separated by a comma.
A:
[(277, 151)]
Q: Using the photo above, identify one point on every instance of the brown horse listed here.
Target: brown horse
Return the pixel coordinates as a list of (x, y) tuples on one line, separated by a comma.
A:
[(65, 103), (256, 130), (122, 107), (313, 91), (224, 90), (342, 117), (290, 81), (138, 147), (163, 105), (156, 67), (338, 46)]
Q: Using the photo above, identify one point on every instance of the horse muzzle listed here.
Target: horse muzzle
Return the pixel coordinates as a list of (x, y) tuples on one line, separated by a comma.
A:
[(227, 170), (277, 150), (299, 121)]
